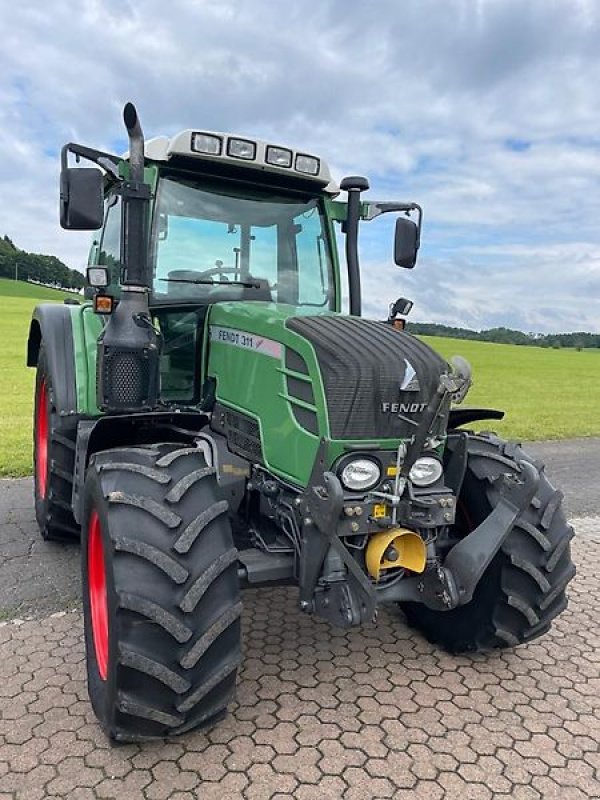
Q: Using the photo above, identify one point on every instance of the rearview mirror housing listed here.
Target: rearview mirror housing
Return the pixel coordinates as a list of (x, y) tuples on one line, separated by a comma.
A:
[(406, 243), (81, 198)]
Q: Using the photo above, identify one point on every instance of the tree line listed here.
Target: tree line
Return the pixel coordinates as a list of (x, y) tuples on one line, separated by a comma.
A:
[(579, 341), (49, 270)]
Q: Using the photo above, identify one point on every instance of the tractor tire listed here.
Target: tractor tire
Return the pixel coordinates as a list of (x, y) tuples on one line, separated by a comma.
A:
[(54, 460), (523, 589), (161, 593)]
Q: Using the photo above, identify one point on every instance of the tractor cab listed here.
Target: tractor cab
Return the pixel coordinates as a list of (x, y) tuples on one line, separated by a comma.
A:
[(204, 218), (231, 219), (217, 238)]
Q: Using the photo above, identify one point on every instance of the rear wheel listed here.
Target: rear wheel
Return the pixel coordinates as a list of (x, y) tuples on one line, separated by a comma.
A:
[(161, 593), (523, 589), (54, 460)]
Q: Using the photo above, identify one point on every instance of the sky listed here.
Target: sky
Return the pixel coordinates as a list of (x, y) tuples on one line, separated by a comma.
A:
[(485, 112)]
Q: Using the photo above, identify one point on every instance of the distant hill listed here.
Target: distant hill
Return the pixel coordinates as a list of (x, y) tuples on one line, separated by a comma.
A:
[(579, 341), (36, 267)]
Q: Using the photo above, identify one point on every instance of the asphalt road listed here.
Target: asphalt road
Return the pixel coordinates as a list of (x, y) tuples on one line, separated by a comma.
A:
[(573, 466), (374, 712)]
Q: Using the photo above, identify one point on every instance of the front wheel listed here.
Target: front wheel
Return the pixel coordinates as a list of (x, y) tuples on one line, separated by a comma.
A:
[(161, 593), (523, 589)]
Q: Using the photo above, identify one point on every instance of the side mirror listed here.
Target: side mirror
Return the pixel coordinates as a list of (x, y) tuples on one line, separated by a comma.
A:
[(406, 243), (401, 307), (81, 199)]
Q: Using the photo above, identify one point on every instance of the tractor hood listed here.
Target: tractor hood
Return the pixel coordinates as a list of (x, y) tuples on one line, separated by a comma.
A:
[(285, 378)]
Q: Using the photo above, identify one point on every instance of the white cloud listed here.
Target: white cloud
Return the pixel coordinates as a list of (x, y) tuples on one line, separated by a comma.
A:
[(485, 112)]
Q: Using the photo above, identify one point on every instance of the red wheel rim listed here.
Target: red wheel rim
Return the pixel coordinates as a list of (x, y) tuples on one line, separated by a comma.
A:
[(97, 593), (41, 439)]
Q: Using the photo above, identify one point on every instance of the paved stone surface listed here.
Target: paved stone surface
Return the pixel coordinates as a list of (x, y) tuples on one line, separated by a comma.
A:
[(321, 713)]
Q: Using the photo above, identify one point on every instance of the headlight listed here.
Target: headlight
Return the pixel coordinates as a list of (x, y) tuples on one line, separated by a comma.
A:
[(425, 471), (360, 475), (241, 148), (97, 277), (279, 156), (207, 143), (307, 164)]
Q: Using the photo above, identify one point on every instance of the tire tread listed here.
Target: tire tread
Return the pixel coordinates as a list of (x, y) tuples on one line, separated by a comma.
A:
[(523, 590), (177, 607)]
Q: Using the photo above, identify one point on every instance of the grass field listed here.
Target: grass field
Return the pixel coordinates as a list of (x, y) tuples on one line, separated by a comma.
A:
[(17, 301), (547, 394)]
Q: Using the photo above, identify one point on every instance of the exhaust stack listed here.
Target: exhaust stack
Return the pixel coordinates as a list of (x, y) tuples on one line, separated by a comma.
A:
[(129, 347)]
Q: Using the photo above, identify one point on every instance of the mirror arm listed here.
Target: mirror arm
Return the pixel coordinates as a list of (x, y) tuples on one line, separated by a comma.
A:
[(374, 208), (107, 161)]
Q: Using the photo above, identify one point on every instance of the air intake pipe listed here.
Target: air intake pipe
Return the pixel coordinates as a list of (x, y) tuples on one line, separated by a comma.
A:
[(129, 346)]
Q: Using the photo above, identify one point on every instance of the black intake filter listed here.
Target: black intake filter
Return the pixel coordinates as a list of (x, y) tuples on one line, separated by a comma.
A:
[(378, 380), (128, 357)]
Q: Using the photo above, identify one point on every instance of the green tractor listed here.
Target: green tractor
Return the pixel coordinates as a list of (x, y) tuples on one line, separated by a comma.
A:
[(209, 420)]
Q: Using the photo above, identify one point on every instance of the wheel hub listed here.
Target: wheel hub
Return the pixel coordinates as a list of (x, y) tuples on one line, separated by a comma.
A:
[(41, 439), (97, 593)]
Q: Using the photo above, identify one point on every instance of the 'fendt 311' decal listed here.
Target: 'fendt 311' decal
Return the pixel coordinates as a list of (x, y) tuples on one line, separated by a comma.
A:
[(248, 341)]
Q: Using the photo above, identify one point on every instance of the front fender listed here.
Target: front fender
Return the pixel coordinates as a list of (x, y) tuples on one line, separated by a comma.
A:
[(51, 324), (464, 416)]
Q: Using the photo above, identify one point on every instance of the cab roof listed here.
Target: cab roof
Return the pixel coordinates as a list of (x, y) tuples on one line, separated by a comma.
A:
[(244, 152)]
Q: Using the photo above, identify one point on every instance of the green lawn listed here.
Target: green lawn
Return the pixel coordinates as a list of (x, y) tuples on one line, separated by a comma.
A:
[(547, 394), (17, 301), (10, 288)]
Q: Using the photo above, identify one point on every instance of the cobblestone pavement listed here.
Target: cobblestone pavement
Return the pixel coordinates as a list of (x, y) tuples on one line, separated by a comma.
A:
[(370, 713)]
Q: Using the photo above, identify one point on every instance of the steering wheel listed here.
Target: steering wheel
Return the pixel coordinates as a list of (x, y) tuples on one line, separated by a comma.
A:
[(219, 270)]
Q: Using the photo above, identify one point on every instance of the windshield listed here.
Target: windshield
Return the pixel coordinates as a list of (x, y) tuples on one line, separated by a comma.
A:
[(215, 244)]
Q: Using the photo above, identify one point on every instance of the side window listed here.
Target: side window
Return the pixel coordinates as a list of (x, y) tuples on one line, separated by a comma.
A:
[(179, 356), (110, 244), (314, 269)]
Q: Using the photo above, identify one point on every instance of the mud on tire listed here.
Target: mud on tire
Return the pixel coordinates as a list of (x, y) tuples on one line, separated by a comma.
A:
[(523, 589), (54, 459), (171, 646)]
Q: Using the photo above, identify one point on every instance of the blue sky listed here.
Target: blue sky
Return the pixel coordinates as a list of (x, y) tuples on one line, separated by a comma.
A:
[(486, 112)]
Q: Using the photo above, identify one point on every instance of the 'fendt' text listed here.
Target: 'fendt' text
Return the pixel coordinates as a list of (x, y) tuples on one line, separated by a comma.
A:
[(403, 408)]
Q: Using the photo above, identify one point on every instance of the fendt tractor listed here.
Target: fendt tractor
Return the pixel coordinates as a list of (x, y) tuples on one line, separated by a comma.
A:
[(207, 419)]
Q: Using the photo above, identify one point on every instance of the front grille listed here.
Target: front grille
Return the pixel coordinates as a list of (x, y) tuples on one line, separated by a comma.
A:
[(124, 378), (243, 435)]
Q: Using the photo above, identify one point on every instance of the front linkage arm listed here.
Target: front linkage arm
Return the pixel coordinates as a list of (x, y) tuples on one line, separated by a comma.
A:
[(333, 585), (444, 587)]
